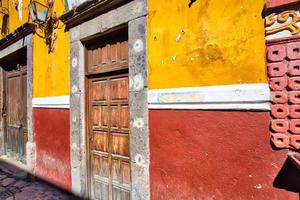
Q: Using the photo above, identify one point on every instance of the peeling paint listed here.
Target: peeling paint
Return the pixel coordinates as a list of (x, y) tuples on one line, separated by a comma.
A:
[(138, 123), (258, 186), (138, 82), (179, 36), (74, 119), (20, 8), (74, 62), (139, 160), (138, 46), (51, 162), (74, 89)]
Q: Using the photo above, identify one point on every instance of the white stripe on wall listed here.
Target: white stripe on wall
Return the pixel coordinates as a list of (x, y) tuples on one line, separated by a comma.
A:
[(51, 102), (228, 97)]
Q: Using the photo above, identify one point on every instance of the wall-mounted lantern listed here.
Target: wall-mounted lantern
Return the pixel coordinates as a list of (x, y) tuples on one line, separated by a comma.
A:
[(38, 12), (46, 21)]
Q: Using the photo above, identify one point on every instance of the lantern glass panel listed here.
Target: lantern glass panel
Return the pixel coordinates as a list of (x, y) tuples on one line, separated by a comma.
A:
[(32, 11), (38, 12)]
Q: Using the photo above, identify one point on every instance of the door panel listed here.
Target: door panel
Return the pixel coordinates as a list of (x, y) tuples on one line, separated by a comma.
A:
[(16, 113), (109, 137)]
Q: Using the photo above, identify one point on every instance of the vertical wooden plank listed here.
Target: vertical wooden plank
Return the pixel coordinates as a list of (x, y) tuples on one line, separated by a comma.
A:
[(90, 58), (114, 53), (95, 58), (124, 50), (99, 56), (105, 55)]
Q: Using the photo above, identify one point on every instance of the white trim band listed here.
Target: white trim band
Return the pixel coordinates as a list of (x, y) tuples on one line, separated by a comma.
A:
[(228, 97), (51, 102)]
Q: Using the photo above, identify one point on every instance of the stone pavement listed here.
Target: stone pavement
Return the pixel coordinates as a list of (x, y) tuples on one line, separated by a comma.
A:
[(18, 185)]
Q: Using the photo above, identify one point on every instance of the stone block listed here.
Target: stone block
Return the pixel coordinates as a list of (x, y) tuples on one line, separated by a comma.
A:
[(276, 53), (294, 111), (294, 68), (294, 83), (277, 69), (294, 97), (280, 111), (278, 84), (295, 126), (295, 141), (279, 97), (280, 140), (280, 125), (293, 50)]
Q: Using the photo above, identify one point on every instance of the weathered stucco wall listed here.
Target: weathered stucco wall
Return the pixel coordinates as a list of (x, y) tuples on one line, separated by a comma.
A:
[(51, 70), (209, 43), (51, 78), (214, 155), (18, 13), (52, 128), (197, 154)]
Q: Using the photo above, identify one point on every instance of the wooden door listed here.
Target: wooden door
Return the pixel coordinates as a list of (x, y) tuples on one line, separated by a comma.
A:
[(15, 112), (108, 122)]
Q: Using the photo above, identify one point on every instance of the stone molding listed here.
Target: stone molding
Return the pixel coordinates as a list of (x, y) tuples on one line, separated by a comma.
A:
[(132, 15), (223, 97), (12, 46)]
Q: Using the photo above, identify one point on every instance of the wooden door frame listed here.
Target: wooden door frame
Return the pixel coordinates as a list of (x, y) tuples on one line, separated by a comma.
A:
[(23, 44), (138, 104)]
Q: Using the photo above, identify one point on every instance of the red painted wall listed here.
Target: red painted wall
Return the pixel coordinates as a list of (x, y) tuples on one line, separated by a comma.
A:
[(52, 136), (213, 155)]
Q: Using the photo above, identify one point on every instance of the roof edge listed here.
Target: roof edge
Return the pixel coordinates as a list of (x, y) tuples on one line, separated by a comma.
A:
[(88, 10), (18, 33)]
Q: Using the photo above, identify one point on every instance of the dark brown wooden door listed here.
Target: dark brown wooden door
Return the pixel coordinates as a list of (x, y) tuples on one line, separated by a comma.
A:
[(108, 122), (15, 112)]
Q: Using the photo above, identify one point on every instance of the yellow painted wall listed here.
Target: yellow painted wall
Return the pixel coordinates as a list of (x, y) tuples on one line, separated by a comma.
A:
[(212, 43), (16, 19), (51, 71), (51, 74)]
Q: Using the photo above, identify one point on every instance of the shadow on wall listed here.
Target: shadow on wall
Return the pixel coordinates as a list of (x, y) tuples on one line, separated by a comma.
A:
[(288, 177)]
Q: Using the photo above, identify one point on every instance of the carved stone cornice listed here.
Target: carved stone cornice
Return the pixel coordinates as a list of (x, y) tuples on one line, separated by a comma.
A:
[(88, 10), (286, 20)]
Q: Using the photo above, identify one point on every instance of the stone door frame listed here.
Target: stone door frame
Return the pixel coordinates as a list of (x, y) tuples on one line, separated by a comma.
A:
[(132, 15), (25, 42)]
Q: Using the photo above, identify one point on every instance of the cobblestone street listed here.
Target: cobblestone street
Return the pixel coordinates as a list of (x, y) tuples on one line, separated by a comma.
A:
[(18, 185)]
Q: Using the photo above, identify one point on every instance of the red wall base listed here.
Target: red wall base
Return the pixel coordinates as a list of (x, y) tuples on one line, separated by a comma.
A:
[(52, 136), (213, 155)]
